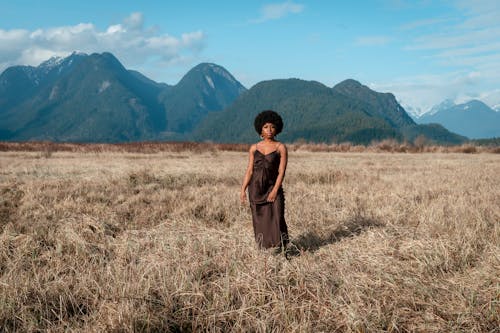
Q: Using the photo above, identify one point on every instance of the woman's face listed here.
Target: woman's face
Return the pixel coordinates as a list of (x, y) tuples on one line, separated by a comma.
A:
[(268, 131)]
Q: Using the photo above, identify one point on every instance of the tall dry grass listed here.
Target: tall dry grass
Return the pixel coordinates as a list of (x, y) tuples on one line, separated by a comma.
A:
[(46, 148), (127, 241)]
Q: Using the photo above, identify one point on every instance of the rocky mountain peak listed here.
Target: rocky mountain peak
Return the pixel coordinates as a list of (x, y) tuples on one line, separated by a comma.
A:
[(209, 75), (383, 105)]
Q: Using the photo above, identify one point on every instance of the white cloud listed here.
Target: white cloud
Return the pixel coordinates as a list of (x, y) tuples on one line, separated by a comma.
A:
[(480, 12), (425, 91), (135, 21), (464, 52), (468, 40), (7, 36), (130, 41), (278, 10), (193, 40), (37, 55), (12, 44), (492, 98), (114, 29), (451, 37)]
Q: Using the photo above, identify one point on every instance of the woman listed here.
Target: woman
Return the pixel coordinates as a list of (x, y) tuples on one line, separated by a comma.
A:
[(265, 172)]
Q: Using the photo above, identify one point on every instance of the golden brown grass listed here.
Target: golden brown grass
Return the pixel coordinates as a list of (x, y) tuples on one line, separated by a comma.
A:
[(108, 240), (46, 148)]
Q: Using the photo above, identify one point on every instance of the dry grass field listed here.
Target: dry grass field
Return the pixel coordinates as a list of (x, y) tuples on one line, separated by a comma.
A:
[(115, 241)]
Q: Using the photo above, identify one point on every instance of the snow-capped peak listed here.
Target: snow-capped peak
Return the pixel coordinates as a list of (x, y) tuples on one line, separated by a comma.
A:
[(446, 104), (79, 53), (52, 62), (414, 112), (57, 61)]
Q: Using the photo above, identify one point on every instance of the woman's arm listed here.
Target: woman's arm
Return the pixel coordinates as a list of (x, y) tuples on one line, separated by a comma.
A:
[(281, 173), (248, 174)]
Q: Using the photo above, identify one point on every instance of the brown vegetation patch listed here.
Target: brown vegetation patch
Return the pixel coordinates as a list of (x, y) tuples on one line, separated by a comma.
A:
[(47, 148), (311, 241), (10, 199), (380, 241)]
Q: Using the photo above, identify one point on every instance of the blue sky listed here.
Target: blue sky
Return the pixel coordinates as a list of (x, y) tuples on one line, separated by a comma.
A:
[(422, 51)]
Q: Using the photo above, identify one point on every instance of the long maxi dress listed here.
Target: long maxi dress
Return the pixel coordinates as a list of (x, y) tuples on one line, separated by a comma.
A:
[(268, 217)]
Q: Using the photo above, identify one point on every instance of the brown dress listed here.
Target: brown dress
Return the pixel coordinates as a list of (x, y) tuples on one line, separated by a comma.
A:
[(268, 217)]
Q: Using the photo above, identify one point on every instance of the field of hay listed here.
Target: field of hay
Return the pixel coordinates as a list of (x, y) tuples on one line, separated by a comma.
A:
[(127, 241)]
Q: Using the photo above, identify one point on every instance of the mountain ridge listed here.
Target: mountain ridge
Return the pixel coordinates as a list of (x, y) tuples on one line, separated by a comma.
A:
[(315, 112), (397, 116), (94, 98), (89, 98), (473, 119), (199, 90)]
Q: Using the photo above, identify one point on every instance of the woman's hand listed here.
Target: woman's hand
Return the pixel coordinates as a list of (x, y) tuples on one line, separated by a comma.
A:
[(272, 196), (243, 197)]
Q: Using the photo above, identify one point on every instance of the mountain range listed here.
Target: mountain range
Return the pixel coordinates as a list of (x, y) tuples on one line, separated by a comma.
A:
[(348, 112), (473, 119), (93, 98)]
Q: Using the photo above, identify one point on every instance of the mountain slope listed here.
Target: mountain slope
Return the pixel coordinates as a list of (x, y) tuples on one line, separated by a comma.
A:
[(311, 111), (205, 88), (433, 133), (381, 105), (94, 98), (18, 83), (473, 119)]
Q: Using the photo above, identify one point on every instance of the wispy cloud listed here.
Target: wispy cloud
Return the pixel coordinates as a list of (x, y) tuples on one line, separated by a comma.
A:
[(372, 41), (426, 90), (477, 31), (277, 11), (463, 49), (432, 22), (129, 40), (480, 13)]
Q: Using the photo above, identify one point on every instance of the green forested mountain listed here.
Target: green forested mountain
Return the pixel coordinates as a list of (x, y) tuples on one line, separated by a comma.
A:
[(382, 105), (433, 133), (313, 112), (205, 88), (93, 98)]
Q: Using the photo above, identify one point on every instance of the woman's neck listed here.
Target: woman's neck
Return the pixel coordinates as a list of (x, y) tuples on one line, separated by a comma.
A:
[(268, 140)]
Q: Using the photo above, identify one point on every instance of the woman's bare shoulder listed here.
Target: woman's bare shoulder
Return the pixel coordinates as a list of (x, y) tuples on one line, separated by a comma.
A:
[(281, 147), (253, 148)]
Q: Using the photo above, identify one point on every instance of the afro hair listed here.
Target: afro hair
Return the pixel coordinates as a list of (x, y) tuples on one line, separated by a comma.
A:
[(268, 116)]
